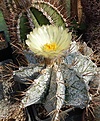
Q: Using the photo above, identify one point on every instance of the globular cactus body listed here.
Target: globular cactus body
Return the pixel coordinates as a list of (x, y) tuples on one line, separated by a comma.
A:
[(66, 84)]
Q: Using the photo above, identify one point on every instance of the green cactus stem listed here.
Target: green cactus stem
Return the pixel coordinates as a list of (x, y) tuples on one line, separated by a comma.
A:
[(52, 14), (40, 13), (3, 27)]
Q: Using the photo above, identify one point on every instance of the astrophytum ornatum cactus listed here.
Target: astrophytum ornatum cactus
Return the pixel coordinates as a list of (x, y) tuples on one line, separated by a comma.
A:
[(63, 78)]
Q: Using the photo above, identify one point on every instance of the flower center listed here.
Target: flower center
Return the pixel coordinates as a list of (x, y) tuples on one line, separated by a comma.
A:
[(49, 47)]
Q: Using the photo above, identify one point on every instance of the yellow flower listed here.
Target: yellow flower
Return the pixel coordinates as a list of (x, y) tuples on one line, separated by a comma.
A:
[(49, 41)]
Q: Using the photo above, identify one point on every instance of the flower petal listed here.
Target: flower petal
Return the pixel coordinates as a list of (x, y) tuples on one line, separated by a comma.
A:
[(49, 41)]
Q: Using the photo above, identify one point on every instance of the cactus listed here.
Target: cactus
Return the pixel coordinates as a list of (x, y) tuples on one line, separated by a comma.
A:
[(41, 13), (64, 82), (3, 27), (60, 85)]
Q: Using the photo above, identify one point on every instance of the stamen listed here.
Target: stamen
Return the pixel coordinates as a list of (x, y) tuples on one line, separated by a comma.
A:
[(49, 47)]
